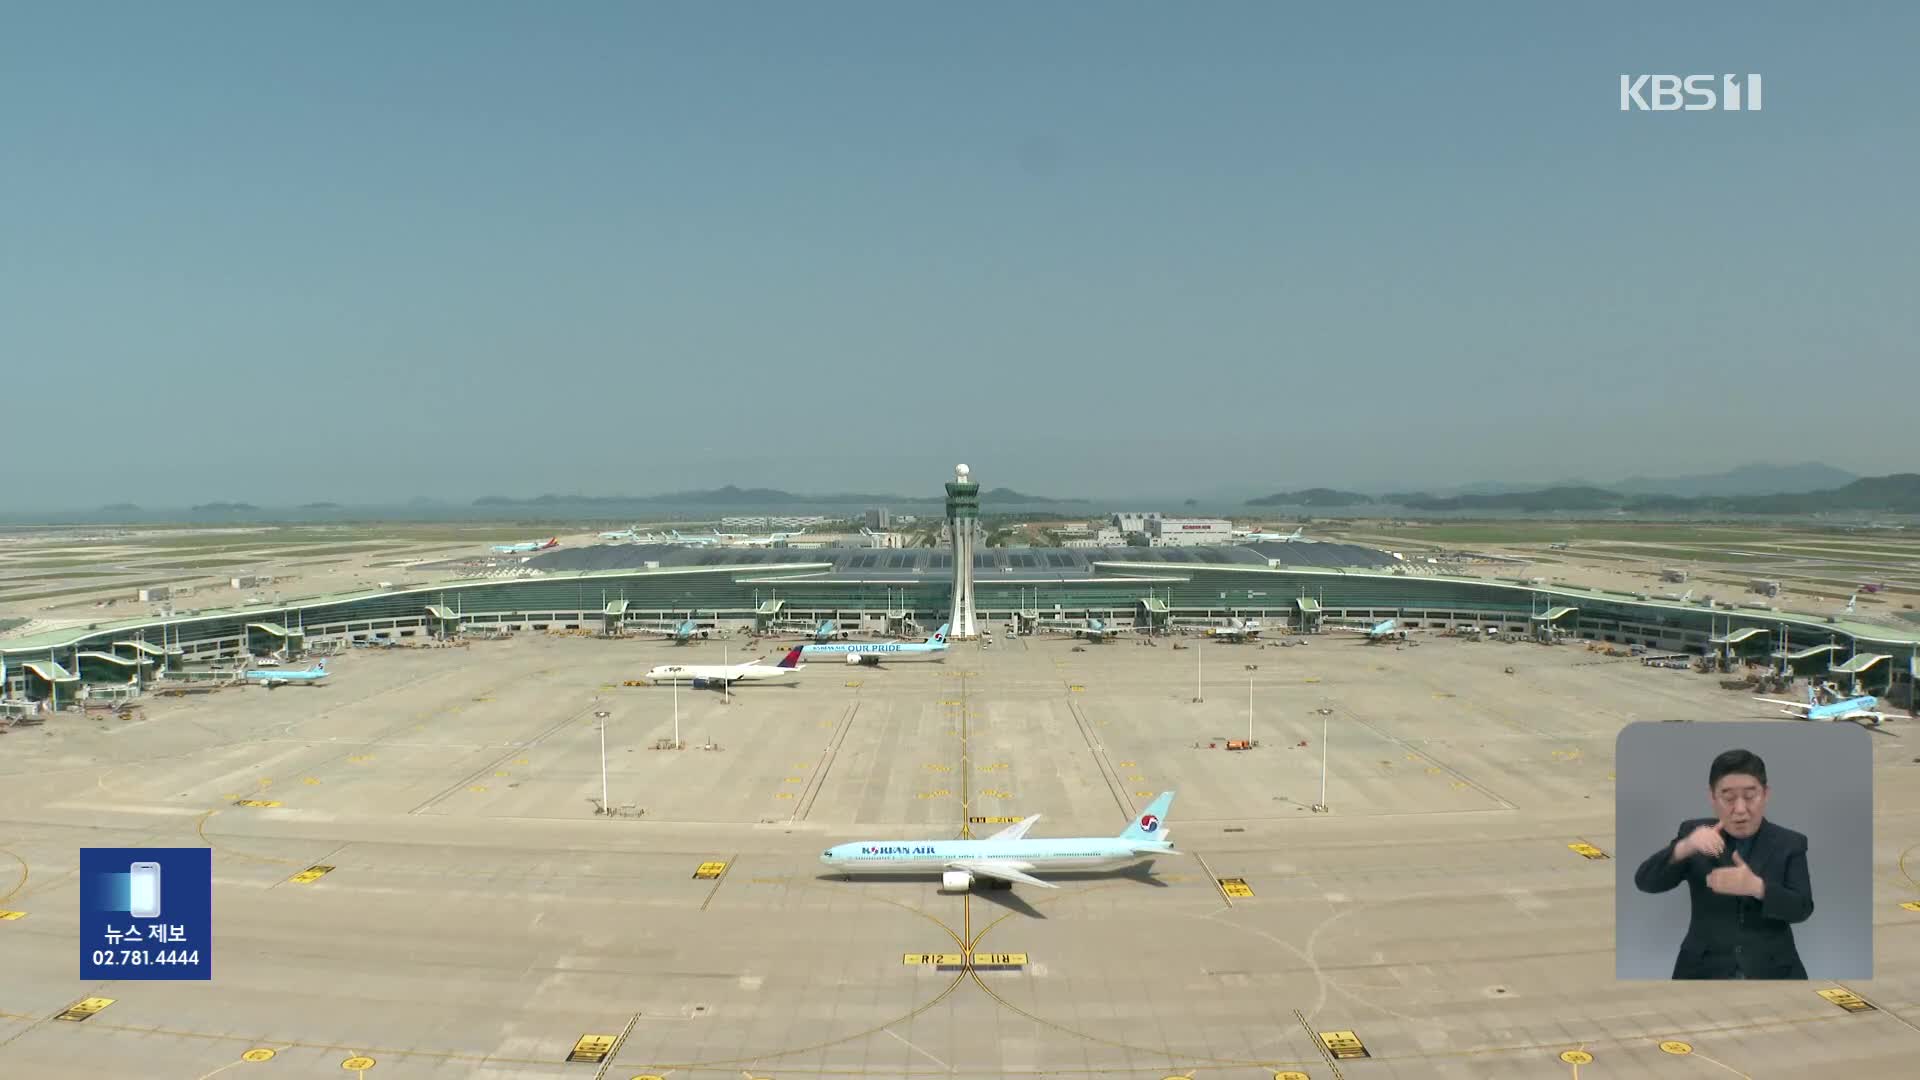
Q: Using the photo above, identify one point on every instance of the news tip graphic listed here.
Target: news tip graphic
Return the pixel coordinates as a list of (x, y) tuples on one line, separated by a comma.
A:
[(146, 913)]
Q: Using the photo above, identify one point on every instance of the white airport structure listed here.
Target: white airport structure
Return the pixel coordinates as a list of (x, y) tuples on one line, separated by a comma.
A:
[(963, 522)]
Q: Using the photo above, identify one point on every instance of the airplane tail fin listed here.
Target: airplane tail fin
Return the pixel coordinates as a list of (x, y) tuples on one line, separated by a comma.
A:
[(1151, 824), (791, 660), (940, 635)]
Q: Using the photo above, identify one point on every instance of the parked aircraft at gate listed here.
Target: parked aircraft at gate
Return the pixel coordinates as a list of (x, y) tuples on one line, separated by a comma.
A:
[(1384, 630), (1855, 709), (273, 679)]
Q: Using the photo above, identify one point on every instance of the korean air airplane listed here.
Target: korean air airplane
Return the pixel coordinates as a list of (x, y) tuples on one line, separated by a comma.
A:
[(274, 679), (1384, 630), (679, 633), (1007, 857), (1855, 709), (871, 653)]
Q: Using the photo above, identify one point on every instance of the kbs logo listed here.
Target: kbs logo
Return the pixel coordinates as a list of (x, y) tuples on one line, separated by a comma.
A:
[(1691, 93)]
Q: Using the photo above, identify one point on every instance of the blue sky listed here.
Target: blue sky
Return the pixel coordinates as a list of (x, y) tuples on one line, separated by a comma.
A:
[(365, 252)]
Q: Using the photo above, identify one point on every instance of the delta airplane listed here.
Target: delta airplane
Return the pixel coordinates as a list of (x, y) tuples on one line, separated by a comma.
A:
[(530, 545), (1855, 709), (1007, 857), (721, 676), (1384, 630), (1090, 629), (273, 680), (871, 653), (680, 632)]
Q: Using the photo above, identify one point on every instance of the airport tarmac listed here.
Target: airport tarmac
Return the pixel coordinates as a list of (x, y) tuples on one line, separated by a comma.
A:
[(466, 912)]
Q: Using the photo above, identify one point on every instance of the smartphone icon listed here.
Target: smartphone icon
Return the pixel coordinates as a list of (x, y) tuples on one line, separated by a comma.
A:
[(143, 893)]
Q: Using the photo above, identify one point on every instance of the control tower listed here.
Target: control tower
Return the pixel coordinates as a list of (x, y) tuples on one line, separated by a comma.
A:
[(963, 521)]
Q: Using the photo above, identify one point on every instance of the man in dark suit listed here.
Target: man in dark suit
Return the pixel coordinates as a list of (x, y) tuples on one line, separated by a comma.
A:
[(1746, 876)]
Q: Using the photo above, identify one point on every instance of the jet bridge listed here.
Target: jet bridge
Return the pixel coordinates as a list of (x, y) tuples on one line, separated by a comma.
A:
[(290, 639)]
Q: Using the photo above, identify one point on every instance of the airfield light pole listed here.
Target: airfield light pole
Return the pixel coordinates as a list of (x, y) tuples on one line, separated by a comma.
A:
[(602, 715), (1322, 804), (1199, 668), (676, 714), (1251, 668)]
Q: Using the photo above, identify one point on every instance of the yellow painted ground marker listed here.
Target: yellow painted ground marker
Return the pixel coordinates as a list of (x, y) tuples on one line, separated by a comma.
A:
[(84, 1008)]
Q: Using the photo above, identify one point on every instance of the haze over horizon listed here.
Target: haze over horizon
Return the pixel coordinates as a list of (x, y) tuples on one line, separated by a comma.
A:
[(360, 255)]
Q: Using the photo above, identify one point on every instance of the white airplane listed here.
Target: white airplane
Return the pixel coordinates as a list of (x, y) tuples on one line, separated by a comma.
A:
[(1251, 536), (1089, 629), (720, 676), (276, 678), (1007, 857), (1384, 630), (1232, 630)]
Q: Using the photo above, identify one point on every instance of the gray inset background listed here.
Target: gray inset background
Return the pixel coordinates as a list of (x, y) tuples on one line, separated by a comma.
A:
[(1821, 776)]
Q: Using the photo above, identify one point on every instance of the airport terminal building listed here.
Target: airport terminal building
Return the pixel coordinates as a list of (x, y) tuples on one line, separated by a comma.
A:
[(1287, 586)]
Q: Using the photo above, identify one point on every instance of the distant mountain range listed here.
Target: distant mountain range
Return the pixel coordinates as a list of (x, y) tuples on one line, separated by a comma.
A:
[(1898, 493), (1313, 497), (759, 498), (1745, 480)]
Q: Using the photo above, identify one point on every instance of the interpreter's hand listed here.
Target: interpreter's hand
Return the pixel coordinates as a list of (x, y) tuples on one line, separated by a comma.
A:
[(1735, 880), (1706, 840)]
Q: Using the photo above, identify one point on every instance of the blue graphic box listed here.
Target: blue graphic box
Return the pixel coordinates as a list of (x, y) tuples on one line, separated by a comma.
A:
[(146, 913)]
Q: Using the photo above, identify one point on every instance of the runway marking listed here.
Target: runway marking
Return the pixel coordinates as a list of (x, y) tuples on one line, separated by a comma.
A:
[(1209, 872), (1847, 999), (1586, 850), (710, 870), (1343, 1045), (919, 1051), (258, 802), (12, 916), (84, 1008), (592, 1049), (359, 1063), (718, 875), (310, 875), (1236, 887), (25, 872)]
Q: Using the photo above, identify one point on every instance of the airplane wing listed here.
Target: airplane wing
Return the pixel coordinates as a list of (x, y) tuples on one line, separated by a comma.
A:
[(999, 868), (1017, 830), (1801, 705)]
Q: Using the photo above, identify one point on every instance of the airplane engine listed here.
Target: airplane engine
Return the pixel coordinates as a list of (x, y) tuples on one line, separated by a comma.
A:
[(704, 634), (955, 881), (853, 659)]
